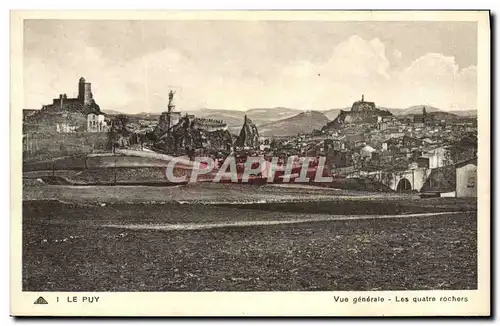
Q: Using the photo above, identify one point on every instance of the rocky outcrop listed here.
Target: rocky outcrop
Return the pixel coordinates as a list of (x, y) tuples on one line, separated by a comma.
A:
[(162, 126), (191, 133), (361, 112), (249, 135)]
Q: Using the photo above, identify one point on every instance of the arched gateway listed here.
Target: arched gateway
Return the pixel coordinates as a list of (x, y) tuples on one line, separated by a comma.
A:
[(404, 185)]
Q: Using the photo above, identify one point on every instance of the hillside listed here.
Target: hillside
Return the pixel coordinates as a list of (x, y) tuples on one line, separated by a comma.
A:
[(111, 112), (417, 109), (202, 113), (146, 115), (265, 115), (304, 122), (47, 121), (258, 115), (332, 114), (230, 118), (394, 111), (465, 113), (431, 111), (442, 115)]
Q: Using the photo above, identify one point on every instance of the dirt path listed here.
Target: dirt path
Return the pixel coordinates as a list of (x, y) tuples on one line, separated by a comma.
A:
[(320, 218)]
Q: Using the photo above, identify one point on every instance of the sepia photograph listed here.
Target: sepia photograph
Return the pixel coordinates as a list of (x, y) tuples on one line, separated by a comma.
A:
[(211, 153)]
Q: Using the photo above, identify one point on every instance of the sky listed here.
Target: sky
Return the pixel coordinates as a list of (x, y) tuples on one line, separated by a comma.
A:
[(310, 65)]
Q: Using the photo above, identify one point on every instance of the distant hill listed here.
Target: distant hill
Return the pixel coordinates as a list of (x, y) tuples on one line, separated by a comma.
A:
[(395, 111), (265, 115), (417, 109), (264, 118), (442, 115), (431, 111), (304, 122), (331, 114), (146, 115), (230, 120), (412, 110), (465, 113), (111, 112), (203, 113), (232, 117), (257, 115)]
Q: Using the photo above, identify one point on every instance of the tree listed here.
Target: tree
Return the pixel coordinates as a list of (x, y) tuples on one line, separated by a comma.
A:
[(447, 158), (119, 124), (118, 128)]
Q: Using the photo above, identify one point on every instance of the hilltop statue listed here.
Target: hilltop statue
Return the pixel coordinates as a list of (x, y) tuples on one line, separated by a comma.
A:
[(362, 97), (171, 105)]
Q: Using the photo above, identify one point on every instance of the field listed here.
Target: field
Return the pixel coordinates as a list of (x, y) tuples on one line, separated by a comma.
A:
[(45, 146), (332, 244)]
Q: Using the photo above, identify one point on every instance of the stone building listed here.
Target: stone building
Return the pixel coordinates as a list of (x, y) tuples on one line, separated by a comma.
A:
[(96, 122), (466, 178), (83, 103), (64, 114)]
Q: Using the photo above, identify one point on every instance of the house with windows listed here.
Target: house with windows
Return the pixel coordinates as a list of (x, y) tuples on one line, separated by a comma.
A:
[(436, 158), (466, 178), (459, 180), (96, 122)]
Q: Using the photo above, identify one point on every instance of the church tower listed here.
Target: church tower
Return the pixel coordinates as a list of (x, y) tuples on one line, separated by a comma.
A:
[(84, 91)]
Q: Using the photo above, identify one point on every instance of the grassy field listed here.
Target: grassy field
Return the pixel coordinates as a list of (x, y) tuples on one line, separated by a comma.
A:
[(45, 146), (68, 247)]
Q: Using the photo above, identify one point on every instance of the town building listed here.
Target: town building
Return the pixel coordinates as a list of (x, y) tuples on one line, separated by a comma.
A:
[(96, 122), (436, 158), (458, 180), (367, 151), (466, 178), (440, 183)]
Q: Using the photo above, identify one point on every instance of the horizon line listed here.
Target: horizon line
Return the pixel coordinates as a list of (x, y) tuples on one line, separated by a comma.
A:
[(290, 108), (282, 107)]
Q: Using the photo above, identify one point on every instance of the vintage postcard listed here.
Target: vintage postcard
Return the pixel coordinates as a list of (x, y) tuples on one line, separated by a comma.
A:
[(250, 163)]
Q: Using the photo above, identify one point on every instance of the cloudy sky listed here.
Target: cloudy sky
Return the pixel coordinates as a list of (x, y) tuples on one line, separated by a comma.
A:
[(252, 64)]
